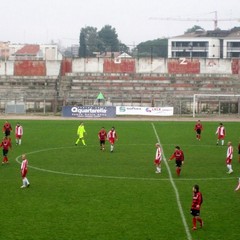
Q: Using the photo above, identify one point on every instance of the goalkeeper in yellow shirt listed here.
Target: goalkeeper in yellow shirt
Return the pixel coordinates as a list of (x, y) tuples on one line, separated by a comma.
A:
[(81, 132)]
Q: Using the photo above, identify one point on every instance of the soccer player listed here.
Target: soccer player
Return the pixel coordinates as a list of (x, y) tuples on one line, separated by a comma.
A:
[(6, 145), (179, 157), (158, 158), (81, 132), (229, 157), (238, 186), (195, 208), (221, 133), (7, 128), (18, 133), (239, 152), (112, 137), (198, 129), (24, 170), (102, 136)]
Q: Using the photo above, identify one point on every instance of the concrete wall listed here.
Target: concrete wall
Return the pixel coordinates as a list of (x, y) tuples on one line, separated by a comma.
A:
[(53, 68), (110, 66), (82, 65), (6, 68), (212, 66)]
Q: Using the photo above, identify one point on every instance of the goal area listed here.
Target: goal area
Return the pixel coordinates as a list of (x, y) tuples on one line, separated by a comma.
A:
[(217, 104)]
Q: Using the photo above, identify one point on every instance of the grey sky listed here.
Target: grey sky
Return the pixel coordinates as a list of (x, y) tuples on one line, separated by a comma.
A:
[(40, 21)]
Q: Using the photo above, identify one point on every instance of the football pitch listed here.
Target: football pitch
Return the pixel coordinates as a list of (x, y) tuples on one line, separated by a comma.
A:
[(80, 192)]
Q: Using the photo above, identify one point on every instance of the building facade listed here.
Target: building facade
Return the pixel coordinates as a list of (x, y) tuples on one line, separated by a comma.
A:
[(206, 44)]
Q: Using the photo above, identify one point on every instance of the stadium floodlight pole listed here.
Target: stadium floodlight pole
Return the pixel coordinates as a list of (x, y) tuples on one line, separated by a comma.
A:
[(210, 95)]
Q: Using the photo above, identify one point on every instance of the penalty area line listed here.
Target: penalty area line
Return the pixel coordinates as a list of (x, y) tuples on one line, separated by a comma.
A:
[(189, 237)]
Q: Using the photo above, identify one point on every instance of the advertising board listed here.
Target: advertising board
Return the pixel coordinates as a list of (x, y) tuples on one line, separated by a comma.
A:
[(89, 111), (146, 111)]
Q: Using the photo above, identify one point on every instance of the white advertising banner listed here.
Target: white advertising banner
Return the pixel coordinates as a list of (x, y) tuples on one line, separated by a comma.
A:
[(146, 111)]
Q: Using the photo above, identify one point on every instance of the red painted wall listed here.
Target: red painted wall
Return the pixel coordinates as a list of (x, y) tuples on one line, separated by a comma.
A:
[(123, 66), (183, 66), (29, 68), (235, 66), (66, 66)]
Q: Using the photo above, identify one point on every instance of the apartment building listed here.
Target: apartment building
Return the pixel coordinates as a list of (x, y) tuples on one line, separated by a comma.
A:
[(206, 44)]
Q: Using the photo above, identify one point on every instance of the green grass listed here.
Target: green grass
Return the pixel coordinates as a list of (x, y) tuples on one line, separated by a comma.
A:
[(80, 192)]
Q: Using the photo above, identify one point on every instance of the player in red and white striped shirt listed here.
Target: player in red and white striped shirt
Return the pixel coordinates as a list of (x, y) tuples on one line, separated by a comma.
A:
[(229, 157), (18, 134), (24, 170), (221, 133), (158, 158), (112, 136)]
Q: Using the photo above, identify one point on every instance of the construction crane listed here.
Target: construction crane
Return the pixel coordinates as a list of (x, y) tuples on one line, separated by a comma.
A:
[(215, 19)]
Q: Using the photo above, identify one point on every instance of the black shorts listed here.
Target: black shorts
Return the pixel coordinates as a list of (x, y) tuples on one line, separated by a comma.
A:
[(7, 132), (195, 212), (178, 163), (5, 152), (102, 142), (198, 131)]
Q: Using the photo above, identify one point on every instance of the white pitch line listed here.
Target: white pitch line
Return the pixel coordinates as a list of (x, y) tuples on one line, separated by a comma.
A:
[(111, 177), (115, 177), (189, 237)]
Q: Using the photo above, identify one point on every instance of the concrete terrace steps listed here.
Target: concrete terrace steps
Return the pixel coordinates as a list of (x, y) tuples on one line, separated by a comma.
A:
[(119, 88), (164, 89), (154, 85)]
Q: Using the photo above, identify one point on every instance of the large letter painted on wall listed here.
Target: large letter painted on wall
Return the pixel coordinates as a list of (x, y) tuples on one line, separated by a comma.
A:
[(119, 66), (183, 66), (29, 68)]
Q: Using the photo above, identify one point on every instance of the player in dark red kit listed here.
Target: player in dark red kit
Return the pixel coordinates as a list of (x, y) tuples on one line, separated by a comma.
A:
[(178, 155), (7, 128), (102, 136), (198, 129), (239, 152), (6, 145), (195, 208)]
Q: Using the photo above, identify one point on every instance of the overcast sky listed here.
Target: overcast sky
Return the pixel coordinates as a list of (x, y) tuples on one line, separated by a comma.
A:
[(43, 21)]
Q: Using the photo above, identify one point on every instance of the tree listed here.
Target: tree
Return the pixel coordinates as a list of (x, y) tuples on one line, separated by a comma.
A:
[(82, 45), (89, 42), (108, 39), (152, 48), (123, 48), (105, 40), (194, 29)]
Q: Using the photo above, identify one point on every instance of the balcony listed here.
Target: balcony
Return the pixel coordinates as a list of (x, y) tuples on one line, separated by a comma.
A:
[(195, 49)]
